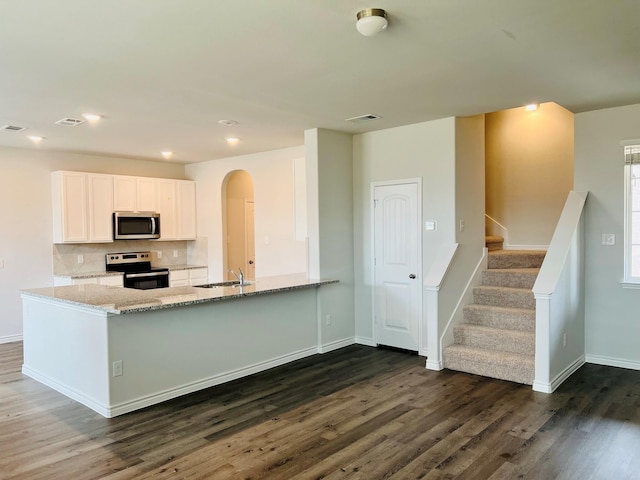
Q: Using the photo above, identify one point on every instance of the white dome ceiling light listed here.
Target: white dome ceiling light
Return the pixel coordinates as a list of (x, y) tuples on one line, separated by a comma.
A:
[(371, 21)]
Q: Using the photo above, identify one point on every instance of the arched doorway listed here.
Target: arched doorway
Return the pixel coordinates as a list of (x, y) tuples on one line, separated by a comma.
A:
[(238, 224)]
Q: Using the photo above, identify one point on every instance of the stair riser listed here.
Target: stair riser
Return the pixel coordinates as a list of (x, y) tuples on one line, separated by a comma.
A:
[(492, 247), (504, 299), (503, 340), (523, 321), (520, 374), (508, 279), (515, 261)]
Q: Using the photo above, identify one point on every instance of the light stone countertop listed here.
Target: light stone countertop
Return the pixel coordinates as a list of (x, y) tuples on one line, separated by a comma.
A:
[(118, 300)]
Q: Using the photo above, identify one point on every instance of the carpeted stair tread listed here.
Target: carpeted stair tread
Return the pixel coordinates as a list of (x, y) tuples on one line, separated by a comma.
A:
[(515, 259), (500, 317), (494, 242), (490, 363), (491, 338), (510, 277), (504, 297)]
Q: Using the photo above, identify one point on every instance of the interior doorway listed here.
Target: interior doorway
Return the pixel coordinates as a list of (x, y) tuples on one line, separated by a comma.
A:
[(239, 224)]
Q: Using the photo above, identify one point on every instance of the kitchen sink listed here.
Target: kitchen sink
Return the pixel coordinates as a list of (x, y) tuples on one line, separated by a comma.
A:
[(233, 283)]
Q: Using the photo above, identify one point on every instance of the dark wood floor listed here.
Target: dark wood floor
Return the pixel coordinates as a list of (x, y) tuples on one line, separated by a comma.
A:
[(358, 412)]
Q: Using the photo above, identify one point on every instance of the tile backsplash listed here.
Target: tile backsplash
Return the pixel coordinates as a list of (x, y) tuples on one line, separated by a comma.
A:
[(66, 256)]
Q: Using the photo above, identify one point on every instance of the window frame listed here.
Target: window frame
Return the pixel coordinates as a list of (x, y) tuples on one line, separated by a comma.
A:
[(629, 280)]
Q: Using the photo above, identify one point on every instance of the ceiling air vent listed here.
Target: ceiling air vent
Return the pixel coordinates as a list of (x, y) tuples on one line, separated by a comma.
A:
[(363, 118), (13, 128), (70, 122)]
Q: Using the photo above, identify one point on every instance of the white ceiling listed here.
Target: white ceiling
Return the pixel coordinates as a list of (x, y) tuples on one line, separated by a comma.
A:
[(163, 72)]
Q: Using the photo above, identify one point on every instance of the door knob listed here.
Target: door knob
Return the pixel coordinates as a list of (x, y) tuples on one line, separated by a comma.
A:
[(412, 276), (250, 262)]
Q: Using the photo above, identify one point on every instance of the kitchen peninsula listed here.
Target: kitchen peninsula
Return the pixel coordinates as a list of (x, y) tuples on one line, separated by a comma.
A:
[(117, 350)]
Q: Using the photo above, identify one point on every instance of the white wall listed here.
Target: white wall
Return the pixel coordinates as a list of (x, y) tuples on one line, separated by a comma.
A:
[(272, 173), (26, 218), (612, 318), (330, 226), (425, 150)]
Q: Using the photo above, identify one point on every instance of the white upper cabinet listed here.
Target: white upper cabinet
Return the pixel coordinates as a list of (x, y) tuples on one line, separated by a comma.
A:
[(177, 207), (146, 194), (125, 198), (134, 194), (69, 191), (100, 208), (83, 205), (167, 207), (186, 209)]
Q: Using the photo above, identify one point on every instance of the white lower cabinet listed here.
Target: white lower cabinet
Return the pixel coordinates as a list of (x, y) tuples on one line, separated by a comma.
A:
[(108, 280), (192, 276), (198, 276), (178, 278)]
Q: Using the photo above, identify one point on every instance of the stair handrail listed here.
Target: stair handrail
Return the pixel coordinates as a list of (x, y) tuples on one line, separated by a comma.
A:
[(559, 294), (555, 259)]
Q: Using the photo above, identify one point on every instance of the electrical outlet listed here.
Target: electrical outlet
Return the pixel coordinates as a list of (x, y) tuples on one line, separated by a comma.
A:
[(1, 262), (80, 258), (430, 225), (117, 368), (328, 319), (159, 253), (462, 225), (175, 254), (608, 239), (564, 339)]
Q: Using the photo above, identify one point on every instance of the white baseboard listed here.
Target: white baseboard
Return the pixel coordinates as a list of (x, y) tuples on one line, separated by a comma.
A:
[(612, 362), (110, 411), (545, 387), (369, 342), (434, 365), (11, 338), (335, 345), (72, 393)]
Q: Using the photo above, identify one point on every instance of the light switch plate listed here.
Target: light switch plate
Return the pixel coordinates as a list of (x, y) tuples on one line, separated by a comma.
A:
[(430, 225), (608, 239)]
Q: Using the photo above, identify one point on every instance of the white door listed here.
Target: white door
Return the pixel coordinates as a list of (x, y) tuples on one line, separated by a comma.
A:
[(396, 269), (250, 241)]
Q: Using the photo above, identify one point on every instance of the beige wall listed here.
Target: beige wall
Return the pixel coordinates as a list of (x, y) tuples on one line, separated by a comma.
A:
[(529, 170)]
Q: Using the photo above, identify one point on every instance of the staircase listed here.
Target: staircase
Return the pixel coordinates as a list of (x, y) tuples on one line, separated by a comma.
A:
[(497, 338)]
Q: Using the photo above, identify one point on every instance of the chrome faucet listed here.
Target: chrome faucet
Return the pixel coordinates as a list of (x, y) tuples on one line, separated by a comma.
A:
[(239, 277)]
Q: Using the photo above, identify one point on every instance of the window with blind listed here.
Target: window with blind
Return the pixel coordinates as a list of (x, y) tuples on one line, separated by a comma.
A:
[(632, 214)]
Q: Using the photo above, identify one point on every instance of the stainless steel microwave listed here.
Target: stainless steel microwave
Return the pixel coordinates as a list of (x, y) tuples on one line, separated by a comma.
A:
[(136, 225)]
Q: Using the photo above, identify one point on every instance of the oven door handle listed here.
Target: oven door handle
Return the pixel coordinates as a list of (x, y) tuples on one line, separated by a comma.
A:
[(150, 274)]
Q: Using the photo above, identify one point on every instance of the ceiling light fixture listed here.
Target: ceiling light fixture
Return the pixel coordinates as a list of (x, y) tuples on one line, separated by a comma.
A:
[(92, 117), (167, 154), (532, 107), (232, 140), (371, 21), (227, 123), (35, 138)]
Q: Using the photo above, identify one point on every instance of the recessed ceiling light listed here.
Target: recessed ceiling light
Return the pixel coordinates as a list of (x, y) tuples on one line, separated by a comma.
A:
[(167, 154), (70, 122), (232, 140), (227, 123), (532, 107), (92, 117), (35, 138)]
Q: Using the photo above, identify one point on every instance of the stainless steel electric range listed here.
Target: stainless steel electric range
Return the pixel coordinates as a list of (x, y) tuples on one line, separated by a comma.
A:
[(137, 270)]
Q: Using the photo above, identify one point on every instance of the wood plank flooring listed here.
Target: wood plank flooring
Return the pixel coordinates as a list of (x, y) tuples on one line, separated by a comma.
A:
[(356, 413)]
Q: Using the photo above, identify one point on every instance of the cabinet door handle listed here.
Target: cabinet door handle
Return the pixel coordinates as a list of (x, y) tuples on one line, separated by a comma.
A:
[(412, 276)]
